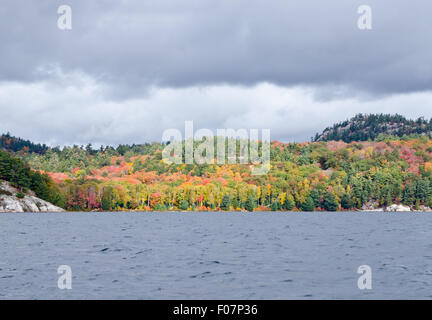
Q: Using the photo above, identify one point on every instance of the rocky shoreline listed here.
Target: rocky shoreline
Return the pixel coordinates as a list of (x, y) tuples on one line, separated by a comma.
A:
[(372, 207), (10, 201)]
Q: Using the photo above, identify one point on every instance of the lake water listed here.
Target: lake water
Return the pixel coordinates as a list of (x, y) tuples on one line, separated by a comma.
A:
[(216, 255)]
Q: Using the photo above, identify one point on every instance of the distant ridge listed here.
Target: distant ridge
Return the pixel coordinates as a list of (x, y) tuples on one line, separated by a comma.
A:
[(363, 127), (15, 144)]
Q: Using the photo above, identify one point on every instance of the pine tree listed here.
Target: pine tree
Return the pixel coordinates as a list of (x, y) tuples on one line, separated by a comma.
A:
[(289, 203), (308, 205), (107, 199), (250, 204), (226, 203), (184, 205), (408, 194), (346, 201), (315, 195), (235, 203), (276, 206), (330, 202)]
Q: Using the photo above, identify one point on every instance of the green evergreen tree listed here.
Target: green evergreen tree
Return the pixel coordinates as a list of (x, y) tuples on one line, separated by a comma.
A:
[(226, 202), (330, 202), (408, 194), (250, 204), (184, 205), (309, 205), (423, 191), (276, 206), (107, 199), (289, 204), (346, 201), (235, 203), (316, 197)]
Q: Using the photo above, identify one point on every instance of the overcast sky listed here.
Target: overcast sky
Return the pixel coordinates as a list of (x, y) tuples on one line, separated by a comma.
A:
[(128, 70)]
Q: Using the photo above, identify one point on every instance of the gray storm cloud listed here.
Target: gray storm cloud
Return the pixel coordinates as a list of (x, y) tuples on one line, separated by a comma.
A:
[(133, 44)]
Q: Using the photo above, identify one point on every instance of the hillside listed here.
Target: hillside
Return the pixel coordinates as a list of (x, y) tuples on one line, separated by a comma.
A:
[(322, 175), (22, 186), (13, 200), (373, 126), (308, 176)]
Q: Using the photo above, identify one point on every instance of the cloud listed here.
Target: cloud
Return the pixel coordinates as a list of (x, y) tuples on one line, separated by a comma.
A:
[(133, 46), (130, 69), (76, 112)]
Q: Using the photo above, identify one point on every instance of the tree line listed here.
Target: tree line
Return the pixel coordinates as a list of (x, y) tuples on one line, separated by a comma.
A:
[(21, 176)]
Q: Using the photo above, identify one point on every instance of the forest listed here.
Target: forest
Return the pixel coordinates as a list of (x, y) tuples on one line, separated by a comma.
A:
[(372, 126), (21, 176), (310, 176)]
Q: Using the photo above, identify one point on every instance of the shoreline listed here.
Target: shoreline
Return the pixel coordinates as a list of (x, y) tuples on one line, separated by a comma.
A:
[(222, 211)]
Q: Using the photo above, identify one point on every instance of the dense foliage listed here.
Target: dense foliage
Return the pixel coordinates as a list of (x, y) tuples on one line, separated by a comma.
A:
[(14, 144), (373, 126), (323, 175), (309, 176), (20, 175)]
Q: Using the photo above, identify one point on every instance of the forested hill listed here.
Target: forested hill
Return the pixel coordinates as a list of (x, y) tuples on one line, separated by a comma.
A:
[(323, 175), (328, 176), (373, 126), (14, 144)]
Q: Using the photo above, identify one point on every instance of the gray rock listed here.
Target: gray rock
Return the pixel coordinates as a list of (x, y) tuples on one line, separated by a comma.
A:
[(30, 203), (371, 206), (424, 209), (398, 208)]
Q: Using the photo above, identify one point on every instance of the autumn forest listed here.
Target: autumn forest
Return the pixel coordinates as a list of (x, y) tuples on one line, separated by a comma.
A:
[(310, 176)]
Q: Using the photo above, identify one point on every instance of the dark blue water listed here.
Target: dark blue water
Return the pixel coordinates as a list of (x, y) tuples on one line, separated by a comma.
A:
[(216, 255)]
